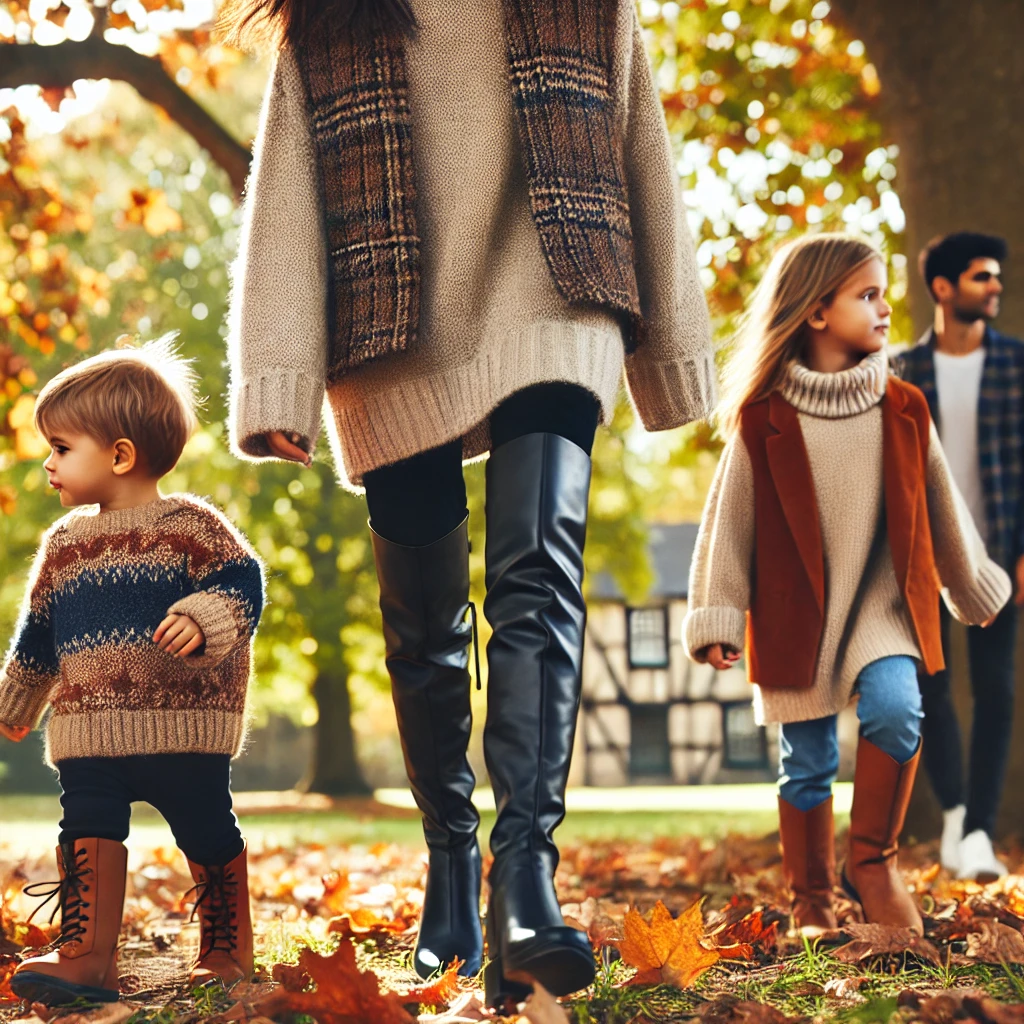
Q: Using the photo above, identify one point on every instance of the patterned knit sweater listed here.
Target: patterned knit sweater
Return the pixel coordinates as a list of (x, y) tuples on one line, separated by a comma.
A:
[(865, 615), (491, 318), (101, 584)]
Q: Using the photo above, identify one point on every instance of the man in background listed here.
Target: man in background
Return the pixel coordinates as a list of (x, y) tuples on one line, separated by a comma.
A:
[(973, 379)]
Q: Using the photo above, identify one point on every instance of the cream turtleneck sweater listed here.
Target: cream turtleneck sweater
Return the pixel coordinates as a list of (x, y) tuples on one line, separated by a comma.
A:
[(865, 614)]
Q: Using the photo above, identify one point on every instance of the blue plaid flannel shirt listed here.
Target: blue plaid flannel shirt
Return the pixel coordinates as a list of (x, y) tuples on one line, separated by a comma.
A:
[(1000, 433)]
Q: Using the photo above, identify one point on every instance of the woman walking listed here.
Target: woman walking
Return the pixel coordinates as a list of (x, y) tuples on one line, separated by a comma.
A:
[(462, 224)]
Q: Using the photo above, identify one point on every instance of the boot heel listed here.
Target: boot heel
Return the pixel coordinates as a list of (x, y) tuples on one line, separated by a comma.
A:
[(501, 994)]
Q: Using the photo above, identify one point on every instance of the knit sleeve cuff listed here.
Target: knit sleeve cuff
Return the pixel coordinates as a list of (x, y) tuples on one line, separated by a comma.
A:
[(671, 394), (216, 617), (716, 625), (279, 399), (976, 604), (23, 700)]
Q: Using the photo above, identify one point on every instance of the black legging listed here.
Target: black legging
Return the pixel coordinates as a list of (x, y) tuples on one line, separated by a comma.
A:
[(990, 654), (423, 498), (191, 791)]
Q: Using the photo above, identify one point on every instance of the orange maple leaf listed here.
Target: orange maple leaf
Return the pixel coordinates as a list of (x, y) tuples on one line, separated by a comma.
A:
[(664, 950), (363, 923), (439, 993), (342, 994)]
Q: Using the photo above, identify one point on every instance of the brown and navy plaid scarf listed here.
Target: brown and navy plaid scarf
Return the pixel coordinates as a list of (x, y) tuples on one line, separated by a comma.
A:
[(560, 69)]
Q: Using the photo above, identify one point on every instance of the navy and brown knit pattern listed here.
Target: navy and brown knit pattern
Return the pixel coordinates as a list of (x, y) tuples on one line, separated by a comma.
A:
[(560, 67), (100, 586), (359, 116)]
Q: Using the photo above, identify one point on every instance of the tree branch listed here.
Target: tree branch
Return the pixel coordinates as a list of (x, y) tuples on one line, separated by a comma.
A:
[(54, 66)]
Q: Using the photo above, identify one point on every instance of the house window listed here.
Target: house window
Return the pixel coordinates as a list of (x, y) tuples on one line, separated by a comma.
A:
[(745, 743), (650, 755), (647, 633)]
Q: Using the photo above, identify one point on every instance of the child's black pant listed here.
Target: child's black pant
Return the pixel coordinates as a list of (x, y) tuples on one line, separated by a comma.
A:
[(191, 791)]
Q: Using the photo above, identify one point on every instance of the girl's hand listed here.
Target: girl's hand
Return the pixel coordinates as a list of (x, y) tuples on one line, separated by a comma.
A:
[(286, 446), (15, 733), (179, 635), (721, 656)]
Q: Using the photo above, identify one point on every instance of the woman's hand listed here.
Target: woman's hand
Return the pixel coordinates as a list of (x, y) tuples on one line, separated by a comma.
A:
[(721, 656), (179, 635), (15, 733), (286, 446)]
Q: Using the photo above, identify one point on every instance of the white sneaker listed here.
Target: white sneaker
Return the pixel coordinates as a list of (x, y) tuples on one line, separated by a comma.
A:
[(952, 834), (978, 861)]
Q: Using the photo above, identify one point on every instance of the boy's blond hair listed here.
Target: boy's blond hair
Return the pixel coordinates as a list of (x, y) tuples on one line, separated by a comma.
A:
[(145, 394)]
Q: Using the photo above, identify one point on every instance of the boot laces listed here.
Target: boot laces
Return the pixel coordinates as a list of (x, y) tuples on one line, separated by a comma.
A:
[(217, 895), (69, 893)]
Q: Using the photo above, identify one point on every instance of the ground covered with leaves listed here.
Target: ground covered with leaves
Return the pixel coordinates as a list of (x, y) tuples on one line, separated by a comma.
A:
[(682, 928)]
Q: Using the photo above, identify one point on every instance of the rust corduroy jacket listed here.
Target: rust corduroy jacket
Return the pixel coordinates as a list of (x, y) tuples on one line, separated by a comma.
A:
[(786, 614)]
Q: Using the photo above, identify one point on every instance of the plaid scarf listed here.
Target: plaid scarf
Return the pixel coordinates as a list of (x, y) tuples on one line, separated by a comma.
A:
[(560, 64)]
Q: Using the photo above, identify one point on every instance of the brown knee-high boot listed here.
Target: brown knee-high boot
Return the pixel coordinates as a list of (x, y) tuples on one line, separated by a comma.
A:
[(82, 962), (225, 945), (809, 862), (881, 793)]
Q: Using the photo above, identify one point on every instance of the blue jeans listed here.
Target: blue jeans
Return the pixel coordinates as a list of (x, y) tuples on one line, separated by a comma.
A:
[(890, 716)]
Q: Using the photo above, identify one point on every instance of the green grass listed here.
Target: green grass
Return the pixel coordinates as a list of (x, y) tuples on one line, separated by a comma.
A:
[(30, 823)]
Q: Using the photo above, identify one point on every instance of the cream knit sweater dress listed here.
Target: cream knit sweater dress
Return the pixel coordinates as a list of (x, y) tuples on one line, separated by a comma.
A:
[(865, 614), (492, 321)]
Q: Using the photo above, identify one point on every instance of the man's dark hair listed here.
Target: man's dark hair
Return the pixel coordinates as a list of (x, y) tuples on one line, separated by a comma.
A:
[(949, 256)]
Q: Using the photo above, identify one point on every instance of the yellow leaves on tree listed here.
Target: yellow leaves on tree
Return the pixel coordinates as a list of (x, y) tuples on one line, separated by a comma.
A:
[(28, 444), (666, 951), (340, 992), (150, 209)]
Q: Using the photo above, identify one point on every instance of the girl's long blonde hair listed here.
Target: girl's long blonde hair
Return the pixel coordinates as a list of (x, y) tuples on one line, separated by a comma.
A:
[(803, 274)]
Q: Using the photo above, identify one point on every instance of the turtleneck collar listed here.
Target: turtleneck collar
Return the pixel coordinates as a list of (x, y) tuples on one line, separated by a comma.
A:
[(835, 395)]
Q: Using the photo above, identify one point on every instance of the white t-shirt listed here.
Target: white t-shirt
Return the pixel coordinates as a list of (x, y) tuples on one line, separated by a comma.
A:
[(958, 383)]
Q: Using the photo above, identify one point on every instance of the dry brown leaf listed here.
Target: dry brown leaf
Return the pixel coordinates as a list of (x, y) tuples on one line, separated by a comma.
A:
[(109, 1013), (542, 1007), (730, 1010), (666, 950), (589, 916), (879, 939), (984, 1008), (467, 1009), (439, 993), (843, 988), (343, 993), (994, 943), (749, 931)]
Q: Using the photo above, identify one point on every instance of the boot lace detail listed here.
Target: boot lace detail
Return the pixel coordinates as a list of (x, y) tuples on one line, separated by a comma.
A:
[(217, 896), (69, 893)]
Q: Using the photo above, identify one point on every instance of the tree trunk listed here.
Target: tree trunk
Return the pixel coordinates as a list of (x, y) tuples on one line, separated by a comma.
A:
[(952, 81), (335, 769)]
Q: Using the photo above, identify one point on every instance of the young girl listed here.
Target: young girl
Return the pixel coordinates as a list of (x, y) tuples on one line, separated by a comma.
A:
[(463, 228), (831, 525)]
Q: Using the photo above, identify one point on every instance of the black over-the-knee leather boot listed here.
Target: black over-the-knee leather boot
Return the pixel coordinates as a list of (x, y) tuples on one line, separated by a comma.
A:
[(537, 488), (424, 600)]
